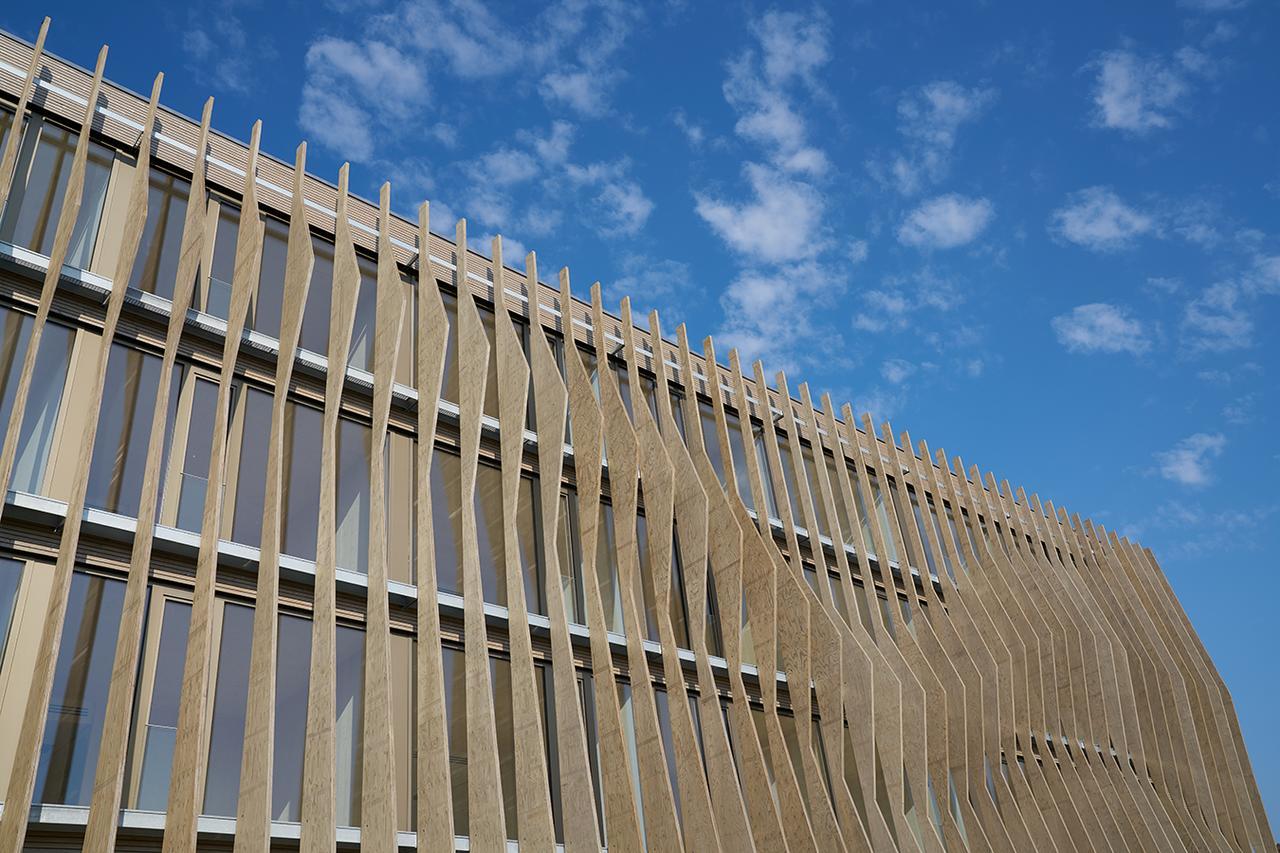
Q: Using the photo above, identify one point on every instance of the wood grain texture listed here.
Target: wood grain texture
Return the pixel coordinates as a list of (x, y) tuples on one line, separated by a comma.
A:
[(534, 825), (110, 769), (9, 159), (435, 807), (13, 822), (488, 830), (253, 809), (186, 782), (378, 791), (963, 666), (319, 815), (621, 816), (581, 832)]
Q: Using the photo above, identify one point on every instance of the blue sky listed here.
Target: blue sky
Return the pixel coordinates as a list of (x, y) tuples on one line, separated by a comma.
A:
[(1047, 239)]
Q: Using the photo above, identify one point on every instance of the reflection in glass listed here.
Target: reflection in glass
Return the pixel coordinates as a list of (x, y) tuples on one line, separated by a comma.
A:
[(124, 427), (300, 492), (78, 702), (353, 496), (246, 517), (10, 580), (156, 268), (161, 728), (194, 473), (230, 696), (293, 675), (35, 203), (48, 381)]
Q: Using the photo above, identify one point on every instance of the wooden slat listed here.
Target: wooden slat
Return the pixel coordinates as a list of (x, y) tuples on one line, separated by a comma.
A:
[(253, 810), (378, 790), (488, 828), (581, 832), (9, 160), (13, 822), (319, 815), (534, 823), (622, 824), (435, 806), (186, 782)]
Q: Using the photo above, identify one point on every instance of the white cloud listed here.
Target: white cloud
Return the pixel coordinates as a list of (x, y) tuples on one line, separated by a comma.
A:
[(1136, 94), (946, 222), (584, 91), (692, 131), (792, 49), (652, 283), (929, 120), (1241, 410), (354, 89), (1215, 321), (1097, 219), (778, 224), (891, 306), (1187, 462), (1213, 5), (505, 166), (897, 370), (624, 208), (1099, 327)]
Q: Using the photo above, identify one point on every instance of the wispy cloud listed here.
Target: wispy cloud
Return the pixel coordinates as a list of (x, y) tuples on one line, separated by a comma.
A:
[(946, 222), (1217, 321), (780, 222), (1100, 327), (1098, 219), (929, 120), (1188, 461)]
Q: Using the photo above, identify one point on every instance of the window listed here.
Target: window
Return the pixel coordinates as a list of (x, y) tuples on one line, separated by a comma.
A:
[(10, 581), (607, 571), (188, 475), (449, 390), (124, 431), (230, 703), (156, 268), (216, 298), (569, 548), (300, 491), (352, 515), (159, 693), (348, 724), (230, 684), (710, 440), (44, 401), (81, 681), (402, 507), (31, 215), (446, 503), (264, 313), (315, 315), (246, 481)]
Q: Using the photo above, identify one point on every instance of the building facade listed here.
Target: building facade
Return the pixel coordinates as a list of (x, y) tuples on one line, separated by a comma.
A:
[(298, 550)]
